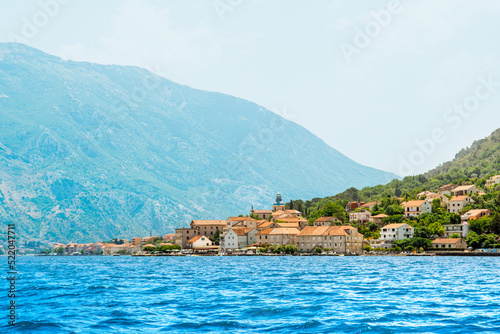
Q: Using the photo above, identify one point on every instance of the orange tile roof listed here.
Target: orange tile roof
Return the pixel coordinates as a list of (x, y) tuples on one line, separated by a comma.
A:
[(240, 219), (195, 239), (241, 231), (209, 222), (414, 204), (463, 188), (262, 211), (459, 198), (288, 225), (382, 215), (477, 212), (279, 231), (291, 220), (395, 225), (313, 230), (326, 219), (446, 241)]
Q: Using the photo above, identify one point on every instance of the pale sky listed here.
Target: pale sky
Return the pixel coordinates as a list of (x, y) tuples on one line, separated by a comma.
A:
[(371, 78)]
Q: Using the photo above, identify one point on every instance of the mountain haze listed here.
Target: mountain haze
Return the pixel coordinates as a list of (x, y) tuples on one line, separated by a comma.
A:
[(89, 152)]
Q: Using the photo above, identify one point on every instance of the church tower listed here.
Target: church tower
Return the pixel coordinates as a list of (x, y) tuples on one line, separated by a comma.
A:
[(279, 205)]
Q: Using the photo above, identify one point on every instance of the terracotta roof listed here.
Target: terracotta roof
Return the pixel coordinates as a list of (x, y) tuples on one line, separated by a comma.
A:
[(240, 219), (314, 230), (382, 215), (288, 225), (463, 188), (414, 204), (326, 219), (279, 231), (291, 220), (368, 204), (446, 241), (209, 222), (195, 239), (262, 211), (241, 231), (336, 230), (477, 212), (395, 225), (458, 198)]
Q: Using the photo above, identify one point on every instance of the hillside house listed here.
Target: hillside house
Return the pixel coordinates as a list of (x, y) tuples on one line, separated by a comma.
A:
[(457, 203), (414, 209)]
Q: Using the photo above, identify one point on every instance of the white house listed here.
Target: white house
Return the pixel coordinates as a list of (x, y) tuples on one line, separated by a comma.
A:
[(457, 203), (238, 238), (465, 190), (392, 232), (493, 181), (461, 229), (360, 216), (199, 242), (416, 208)]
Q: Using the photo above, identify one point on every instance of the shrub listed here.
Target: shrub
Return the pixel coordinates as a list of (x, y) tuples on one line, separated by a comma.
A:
[(318, 250), (149, 248)]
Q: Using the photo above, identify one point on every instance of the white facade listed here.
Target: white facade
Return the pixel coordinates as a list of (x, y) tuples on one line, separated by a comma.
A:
[(202, 242), (458, 203), (362, 216), (392, 232), (238, 238), (461, 229), (416, 208), (493, 181)]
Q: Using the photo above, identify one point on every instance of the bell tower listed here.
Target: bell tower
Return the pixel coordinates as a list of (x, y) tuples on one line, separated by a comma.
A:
[(279, 205)]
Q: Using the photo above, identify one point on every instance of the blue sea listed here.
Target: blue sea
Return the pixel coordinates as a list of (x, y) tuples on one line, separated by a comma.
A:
[(257, 295)]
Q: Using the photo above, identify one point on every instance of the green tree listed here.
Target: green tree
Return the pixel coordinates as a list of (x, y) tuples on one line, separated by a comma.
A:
[(279, 250), (149, 248), (291, 249), (318, 250), (436, 229), (494, 225), (422, 232), (216, 237), (455, 236), (60, 251)]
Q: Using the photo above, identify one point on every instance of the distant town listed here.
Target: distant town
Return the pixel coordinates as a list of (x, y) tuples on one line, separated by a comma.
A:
[(453, 219)]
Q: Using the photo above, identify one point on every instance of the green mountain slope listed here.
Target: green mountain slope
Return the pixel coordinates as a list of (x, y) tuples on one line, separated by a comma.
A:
[(472, 165)]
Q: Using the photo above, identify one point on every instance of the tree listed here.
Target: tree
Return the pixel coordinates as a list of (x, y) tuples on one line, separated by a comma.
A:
[(436, 229), (494, 225), (149, 248), (455, 236), (60, 251), (122, 252), (422, 232), (291, 249), (318, 250), (279, 250), (216, 237), (397, 192)]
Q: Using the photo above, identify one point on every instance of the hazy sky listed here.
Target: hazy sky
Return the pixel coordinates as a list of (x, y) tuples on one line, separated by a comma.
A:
[(373, 79)]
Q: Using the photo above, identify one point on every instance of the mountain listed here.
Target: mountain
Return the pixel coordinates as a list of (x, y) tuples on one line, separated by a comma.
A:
[(89, 152), (481, 159)]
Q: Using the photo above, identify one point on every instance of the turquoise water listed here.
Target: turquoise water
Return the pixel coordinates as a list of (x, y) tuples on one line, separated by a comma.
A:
[(258, 295)]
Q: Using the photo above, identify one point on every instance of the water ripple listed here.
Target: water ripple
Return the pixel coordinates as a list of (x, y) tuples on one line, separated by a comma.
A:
[(258, 295)]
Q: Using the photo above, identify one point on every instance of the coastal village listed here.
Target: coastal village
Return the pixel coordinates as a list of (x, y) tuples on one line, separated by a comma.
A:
[(365, 230)]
